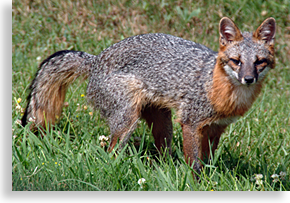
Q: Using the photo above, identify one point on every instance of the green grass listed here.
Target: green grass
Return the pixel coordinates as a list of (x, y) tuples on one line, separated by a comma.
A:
[(70, 157)]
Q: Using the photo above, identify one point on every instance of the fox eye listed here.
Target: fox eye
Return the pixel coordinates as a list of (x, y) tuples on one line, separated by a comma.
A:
[(236, 62), (262, 62)]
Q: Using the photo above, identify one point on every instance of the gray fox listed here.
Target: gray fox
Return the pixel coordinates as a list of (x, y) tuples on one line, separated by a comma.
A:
[(145, 76)]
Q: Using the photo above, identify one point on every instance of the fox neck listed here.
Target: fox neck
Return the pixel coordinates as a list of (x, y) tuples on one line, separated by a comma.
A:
[(229, 97)]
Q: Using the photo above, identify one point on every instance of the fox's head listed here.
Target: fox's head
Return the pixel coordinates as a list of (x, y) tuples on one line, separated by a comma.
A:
[(246, 57)]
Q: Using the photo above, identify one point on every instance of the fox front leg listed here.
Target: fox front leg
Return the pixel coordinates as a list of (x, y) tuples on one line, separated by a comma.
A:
[(192, 148)]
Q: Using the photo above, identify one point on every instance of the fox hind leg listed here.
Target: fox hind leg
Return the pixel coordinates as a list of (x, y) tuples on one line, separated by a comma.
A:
[(122, 127), (160, 118), (119, 99)]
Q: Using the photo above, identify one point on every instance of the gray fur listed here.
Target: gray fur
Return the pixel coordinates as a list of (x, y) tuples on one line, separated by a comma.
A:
[(165, 66)]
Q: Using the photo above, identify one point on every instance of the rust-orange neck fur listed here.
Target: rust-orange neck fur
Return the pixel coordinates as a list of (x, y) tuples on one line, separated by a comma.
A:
[(228, 97)]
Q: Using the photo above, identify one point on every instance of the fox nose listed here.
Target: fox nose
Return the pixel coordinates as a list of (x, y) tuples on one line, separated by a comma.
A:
[(249, 79)]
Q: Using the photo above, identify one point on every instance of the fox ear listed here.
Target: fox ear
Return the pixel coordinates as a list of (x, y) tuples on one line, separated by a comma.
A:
[(228, 31), (266, 31)]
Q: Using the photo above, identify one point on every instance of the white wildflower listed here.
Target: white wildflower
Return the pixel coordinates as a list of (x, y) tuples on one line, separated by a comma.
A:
[(282, 175), (103, 138), (141, 182), (18, 107), (275, 177), (31, 119), (258, 178), (18, 121)]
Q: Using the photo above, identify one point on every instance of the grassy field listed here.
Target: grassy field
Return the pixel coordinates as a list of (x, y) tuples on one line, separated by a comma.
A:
[(71, 157)]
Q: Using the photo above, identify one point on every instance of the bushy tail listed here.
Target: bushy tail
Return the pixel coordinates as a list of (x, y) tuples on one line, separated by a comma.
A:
[(49, 86)]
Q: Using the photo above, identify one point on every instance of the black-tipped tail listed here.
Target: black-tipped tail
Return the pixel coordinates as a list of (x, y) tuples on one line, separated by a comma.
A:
[(49, 86)]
